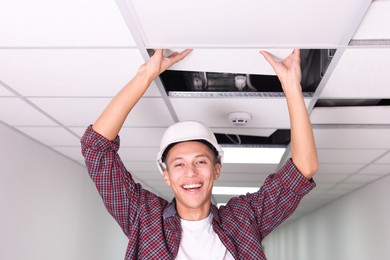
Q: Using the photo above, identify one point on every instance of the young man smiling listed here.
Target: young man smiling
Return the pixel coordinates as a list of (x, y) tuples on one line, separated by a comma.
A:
[(190, 159)]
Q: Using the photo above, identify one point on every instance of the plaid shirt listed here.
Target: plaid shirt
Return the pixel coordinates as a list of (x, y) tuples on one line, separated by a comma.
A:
[(152, 225)]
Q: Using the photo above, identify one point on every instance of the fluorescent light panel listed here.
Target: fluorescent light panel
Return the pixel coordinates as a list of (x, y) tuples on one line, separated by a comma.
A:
[(219, 190), (265, 155)]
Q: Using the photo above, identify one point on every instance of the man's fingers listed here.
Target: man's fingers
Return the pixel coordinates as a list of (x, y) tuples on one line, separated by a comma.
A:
[(178, 56), (269, 58)]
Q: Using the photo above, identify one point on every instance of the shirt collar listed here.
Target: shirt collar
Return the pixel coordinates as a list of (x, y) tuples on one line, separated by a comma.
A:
[(170, 211)]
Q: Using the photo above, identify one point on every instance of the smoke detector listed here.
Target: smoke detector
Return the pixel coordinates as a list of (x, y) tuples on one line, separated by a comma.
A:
[(239, 118)]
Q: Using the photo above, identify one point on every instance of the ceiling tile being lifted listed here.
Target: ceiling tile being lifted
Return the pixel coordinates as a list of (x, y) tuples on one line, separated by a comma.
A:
[(243, 23)]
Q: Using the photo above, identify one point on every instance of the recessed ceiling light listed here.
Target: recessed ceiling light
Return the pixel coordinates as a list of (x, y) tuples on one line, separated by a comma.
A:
[(265, 155)]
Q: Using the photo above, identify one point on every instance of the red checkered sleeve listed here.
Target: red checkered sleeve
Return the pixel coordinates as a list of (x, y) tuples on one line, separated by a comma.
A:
[(114, 183), (261, 212), (279, 196)]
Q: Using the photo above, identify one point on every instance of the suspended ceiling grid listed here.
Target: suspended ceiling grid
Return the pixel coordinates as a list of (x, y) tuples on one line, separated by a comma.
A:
[(61, 62)]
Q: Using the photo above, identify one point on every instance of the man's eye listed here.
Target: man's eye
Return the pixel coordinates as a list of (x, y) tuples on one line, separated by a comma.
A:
[(201, 162), (178, 165)]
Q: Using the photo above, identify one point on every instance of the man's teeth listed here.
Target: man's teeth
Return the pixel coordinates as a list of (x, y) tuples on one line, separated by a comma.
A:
[(192, 186)]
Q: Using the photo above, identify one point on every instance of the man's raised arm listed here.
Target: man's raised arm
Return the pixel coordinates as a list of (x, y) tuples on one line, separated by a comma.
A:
[(303, 149), (114, 115)]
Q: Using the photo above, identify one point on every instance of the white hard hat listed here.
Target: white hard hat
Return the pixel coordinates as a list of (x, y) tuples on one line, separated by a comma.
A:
[(187, 131)]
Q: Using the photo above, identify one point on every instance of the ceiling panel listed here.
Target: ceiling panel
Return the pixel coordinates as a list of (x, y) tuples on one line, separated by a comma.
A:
[(248, 61), (376, 169), (231, 179), (363, 178), (22, 113), (5, 92), (215, 112), (70, 72), (352, 138), (330, 177), (361, 73), (348, 156), (148, 137), (147, 171), (347, 186), (376, 22), (73, 153), (351, 115), (134, 136), (203, 23), (385, 159), (338, 168), (147, 112), (86, 109), (324, 186), (139, 153), (235, 168), (79, 131), (51, 135), (62, 23)]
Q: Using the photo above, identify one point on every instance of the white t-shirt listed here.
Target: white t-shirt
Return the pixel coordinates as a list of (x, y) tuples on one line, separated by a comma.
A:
[(200, 242)]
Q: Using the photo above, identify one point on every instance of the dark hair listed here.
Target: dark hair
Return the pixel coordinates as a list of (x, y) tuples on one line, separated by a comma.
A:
[(210, 146)]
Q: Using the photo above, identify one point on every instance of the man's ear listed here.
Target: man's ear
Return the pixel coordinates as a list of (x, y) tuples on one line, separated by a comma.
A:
[(217, 171), (166, 178)]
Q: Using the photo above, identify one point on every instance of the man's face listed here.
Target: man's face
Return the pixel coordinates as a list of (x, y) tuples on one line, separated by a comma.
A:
[(191, 171)]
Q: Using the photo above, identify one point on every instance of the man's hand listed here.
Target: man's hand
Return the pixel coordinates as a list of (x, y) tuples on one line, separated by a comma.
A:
[(288, 70), (303, 149), (157, 64)]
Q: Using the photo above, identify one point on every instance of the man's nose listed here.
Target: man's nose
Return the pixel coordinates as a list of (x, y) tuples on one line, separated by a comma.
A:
[(191, 170)]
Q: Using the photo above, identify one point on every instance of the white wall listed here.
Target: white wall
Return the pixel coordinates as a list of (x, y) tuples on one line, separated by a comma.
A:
[(50, 208), (356, 227)]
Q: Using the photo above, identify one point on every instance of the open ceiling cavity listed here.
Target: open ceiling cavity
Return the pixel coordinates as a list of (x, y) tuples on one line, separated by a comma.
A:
[(280, 138), (314, 63), (352, 102)]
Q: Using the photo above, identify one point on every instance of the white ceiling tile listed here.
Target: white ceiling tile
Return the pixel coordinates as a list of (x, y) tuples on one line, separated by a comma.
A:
[(337, 168), (362, 178), (348, 186), (360, 73), (78, 130), (384, 159), (5, 92), (51, 135), (337, 192), (348, 156), (73, 111), (63, 23), (73, 153), (144, 169), (350, 138), (254, 179), (214, 112), (351, 115), (138, 153), (323, 186), (84, 111), (329, 177), (248, 61), (376, 169), (70, 72), (237, 168), (149, 137), (16, 112), (129, 136), (203, 23), (376, 22)]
